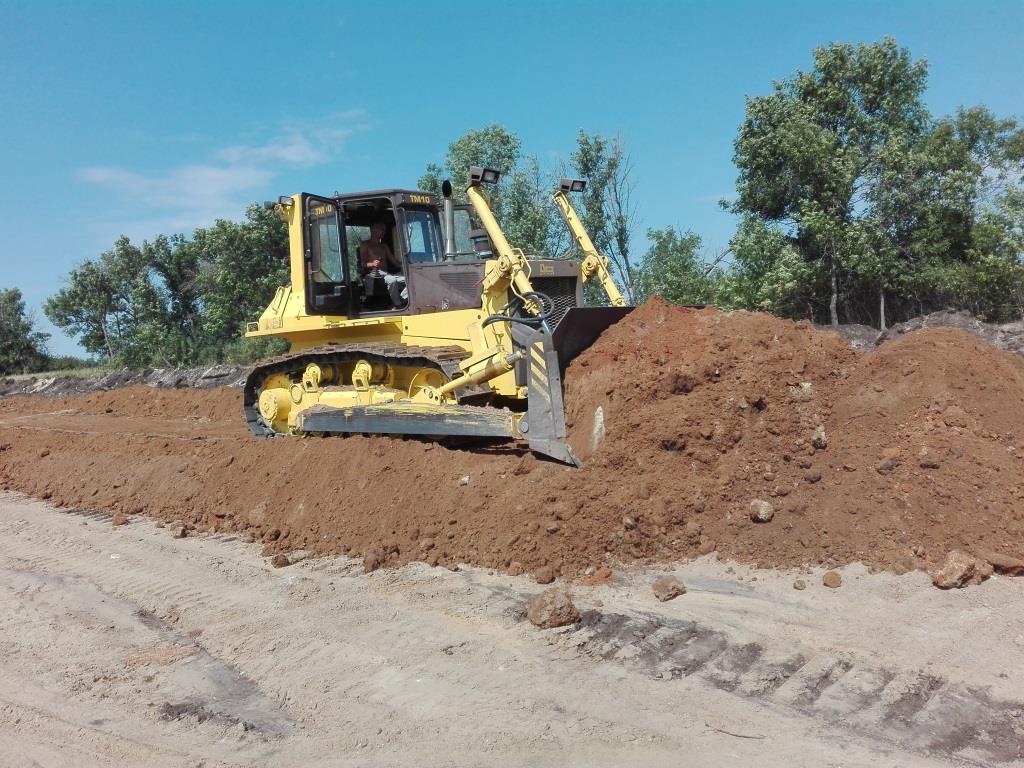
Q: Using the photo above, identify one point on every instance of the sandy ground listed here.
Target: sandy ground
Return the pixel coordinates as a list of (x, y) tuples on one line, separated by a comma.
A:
[(124, 646)]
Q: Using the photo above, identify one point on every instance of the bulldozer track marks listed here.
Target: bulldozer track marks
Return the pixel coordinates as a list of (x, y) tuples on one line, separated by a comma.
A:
[(909, 708), (259, 640)]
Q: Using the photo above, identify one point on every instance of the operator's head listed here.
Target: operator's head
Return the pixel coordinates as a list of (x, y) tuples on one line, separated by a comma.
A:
[(377, 230)]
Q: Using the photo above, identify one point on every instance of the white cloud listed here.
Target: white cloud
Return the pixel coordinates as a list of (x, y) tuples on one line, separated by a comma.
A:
[(192, 195)]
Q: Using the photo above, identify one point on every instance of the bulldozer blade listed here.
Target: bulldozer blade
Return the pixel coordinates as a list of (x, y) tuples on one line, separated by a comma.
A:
[(580, 327), (408, 418), (544, 428)]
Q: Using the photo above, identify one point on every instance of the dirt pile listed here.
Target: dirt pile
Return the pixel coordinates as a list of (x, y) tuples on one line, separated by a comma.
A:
[(684, 418), (162, 378)]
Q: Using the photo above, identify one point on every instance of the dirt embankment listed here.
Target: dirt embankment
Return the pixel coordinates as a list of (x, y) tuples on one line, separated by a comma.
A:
[(162, 378), (684, 417)]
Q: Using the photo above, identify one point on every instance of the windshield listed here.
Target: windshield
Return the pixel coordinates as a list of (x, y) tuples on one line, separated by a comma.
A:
[(421, 236)]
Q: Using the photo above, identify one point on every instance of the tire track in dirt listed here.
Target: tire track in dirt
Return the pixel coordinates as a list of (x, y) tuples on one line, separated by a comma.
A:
[(906, 707)]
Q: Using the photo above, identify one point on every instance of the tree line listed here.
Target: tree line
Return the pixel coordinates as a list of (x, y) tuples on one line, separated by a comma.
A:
[(854, 204)]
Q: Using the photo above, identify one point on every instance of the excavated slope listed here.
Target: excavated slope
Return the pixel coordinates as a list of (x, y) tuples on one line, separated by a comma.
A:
[(684, 417)]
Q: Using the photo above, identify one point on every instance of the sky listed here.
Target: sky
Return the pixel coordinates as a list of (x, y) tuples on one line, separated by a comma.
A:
[(145, 118)]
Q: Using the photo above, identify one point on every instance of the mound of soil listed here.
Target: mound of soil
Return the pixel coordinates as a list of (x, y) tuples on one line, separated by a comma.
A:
[(684, 418)]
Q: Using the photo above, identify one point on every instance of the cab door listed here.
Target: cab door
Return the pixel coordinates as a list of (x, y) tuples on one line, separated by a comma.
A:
[(328, 282)]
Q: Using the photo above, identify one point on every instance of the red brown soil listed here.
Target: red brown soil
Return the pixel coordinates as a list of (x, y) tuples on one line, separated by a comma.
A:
[(703, 412)]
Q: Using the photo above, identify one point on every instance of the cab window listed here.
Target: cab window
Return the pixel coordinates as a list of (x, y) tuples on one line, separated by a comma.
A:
[(325, 243), (421, 236), (463, 243)]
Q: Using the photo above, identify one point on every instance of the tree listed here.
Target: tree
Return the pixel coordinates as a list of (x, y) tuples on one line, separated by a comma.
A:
[(768, 273), (812, 153), (22, 348), (240, 266), (673, 269), (521, 201), (893, 211), (176, 300), (491, 147), (607, 211), (99, 302)]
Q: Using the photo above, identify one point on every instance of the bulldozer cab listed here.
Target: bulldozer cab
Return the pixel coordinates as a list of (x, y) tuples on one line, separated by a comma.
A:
[(413, 278)]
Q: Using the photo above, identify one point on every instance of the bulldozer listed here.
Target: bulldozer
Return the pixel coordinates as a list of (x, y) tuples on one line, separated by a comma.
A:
[(403, 319)]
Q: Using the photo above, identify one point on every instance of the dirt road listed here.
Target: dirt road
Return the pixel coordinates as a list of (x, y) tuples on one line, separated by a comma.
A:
[(125, 646)]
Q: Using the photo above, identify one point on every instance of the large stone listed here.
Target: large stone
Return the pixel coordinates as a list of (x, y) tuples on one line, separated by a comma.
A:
[(761, 511), (544, 575), (668, 588), (961, 569), (1006, 564), (552, 608)]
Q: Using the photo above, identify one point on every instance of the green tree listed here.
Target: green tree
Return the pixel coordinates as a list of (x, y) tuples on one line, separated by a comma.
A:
[(606, 209), (768, 273), (104, 302), (240, 265), (22, 348), (521, 201), (491, 147), (811, 154), (177, 300), (894, 211), (673, 268)]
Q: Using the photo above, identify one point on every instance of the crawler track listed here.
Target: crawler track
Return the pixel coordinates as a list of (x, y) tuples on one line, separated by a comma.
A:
[(444, 359)]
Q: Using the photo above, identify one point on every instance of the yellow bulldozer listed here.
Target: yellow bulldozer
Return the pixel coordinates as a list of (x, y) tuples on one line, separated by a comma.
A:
[(404, 319)]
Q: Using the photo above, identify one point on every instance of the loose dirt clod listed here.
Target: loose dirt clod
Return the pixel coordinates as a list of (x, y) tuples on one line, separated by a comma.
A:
[(552, 608), (119, 518), (961, 569), (832, 580), (799, 584), (544, 575), (668, 588), (1005, 564)]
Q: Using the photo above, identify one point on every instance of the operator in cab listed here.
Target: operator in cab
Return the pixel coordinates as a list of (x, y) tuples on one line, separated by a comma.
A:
[(376, 260)]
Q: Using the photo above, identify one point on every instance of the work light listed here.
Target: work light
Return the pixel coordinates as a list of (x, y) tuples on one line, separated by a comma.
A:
[(478, 175), (572, 185)]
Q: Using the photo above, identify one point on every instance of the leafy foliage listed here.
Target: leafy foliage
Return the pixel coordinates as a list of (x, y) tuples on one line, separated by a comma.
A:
[(674, 269), (22, 348), (176, 301), (892, 210)]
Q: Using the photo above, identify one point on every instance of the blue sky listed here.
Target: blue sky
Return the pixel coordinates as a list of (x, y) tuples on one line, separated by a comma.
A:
[(144, 118)]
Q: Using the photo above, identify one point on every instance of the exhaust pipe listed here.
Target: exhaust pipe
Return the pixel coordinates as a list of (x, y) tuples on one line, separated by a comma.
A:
[(449, 221)]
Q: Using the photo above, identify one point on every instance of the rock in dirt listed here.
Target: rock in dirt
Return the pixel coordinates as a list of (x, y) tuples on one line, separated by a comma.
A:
[(552, 608), (819, 439), (599, 576), (371, 562), (961, 569), (280, 560), (761, 511), (668, 588), (544, 575), (885, 466), (178, 530), (832, 580), (799, 584), (515, 568), (119, 518), (1005, 564)]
